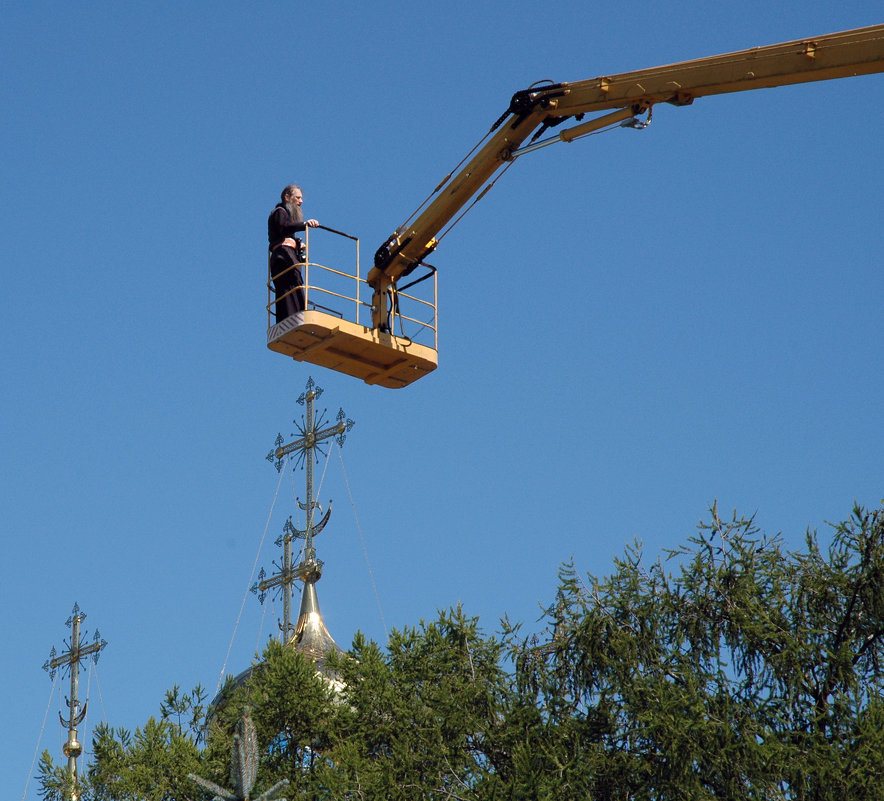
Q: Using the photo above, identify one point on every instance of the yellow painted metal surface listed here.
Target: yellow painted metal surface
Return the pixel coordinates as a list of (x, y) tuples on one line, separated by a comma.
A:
[(328, 341), (817, 58)]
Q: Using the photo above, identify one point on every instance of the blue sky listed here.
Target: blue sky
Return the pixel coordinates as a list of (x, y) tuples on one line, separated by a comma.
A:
[(632, 327)]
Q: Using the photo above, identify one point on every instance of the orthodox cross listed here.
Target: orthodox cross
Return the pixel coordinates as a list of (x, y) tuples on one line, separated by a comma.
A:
[(70, 660), (314, 432)]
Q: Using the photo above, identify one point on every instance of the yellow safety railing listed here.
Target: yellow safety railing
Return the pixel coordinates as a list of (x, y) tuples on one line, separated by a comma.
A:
[(332, 291)]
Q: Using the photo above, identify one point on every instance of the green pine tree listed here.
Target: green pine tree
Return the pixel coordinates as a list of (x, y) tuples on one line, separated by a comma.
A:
[(732, 669)]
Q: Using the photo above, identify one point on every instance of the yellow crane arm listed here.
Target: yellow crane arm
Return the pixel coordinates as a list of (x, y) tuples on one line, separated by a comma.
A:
[(834, 55)]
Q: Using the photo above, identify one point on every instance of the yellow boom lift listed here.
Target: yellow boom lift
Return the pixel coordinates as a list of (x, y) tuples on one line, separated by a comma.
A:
[(362, 340)]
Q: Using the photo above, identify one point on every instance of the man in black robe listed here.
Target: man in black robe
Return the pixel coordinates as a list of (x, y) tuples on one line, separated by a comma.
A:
[(286, 251)]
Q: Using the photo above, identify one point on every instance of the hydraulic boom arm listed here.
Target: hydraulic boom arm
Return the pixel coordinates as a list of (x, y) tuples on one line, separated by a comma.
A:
[(533, 111)]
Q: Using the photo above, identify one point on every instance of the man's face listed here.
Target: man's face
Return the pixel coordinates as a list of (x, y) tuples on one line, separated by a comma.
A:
[(296, 197)]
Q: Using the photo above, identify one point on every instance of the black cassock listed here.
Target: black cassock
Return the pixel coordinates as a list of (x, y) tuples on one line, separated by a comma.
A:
[(280, 226)]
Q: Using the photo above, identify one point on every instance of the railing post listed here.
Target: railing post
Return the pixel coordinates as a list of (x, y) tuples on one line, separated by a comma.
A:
[(358, 282), (306, 266)]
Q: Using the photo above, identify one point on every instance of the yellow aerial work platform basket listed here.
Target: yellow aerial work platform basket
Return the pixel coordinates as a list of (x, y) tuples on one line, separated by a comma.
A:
[(331, 331)]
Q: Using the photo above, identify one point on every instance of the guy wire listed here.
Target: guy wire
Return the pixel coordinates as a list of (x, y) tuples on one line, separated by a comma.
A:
[(40, 736), (251, 576), (374, 585)]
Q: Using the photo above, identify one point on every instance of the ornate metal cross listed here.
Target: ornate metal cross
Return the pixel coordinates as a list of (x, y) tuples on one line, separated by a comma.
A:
[(70, 660), (314, 433)]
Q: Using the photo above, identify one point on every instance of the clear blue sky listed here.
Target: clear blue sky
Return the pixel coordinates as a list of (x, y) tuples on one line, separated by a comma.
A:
[(632, 327)]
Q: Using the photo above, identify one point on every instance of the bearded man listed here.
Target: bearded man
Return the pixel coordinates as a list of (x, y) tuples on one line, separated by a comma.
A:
[(286, 251)]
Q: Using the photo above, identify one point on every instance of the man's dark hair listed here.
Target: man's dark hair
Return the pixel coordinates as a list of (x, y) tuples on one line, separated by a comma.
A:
[(287, 191)]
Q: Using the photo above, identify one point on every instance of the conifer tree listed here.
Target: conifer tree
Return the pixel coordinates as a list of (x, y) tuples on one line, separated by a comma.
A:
[(748, 672), (732, 669)]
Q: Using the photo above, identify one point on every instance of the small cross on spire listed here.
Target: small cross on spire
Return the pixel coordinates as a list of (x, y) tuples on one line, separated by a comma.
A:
[(70, 661)]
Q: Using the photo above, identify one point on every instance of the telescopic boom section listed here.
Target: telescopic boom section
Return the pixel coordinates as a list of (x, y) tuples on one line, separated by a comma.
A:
[(834, 55)]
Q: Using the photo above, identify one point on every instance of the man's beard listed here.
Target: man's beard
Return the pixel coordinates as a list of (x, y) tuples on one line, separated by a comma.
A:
[(295, 212)]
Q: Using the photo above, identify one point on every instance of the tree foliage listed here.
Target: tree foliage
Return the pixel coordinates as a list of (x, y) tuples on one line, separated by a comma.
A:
[(150, 765), (747, 672), (733, 668)]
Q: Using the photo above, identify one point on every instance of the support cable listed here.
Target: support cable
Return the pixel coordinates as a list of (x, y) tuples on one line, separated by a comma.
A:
[(100, 696), (319, 488), (292, 483), (324, 470), (374, 585), (629, 123), (40, 737), (457, 166), (251, 577), (478, 197), (261, 628), (82, 759)]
